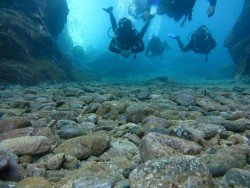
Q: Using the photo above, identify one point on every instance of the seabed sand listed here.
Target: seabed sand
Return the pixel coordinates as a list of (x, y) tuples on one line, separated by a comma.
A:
[(156, 133)]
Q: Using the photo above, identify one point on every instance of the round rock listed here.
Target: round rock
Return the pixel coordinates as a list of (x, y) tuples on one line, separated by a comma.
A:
[(182, 171), (28, 145), (35, 182), (14, 123), (84, 146), (155, 145)]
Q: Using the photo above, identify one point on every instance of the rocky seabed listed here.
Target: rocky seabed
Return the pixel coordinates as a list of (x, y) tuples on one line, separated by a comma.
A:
[(101, 135)]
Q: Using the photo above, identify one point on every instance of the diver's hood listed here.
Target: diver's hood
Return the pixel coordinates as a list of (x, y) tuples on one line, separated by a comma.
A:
[(125, 23)]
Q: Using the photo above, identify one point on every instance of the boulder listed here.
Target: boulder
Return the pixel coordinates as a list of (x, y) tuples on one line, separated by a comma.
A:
[(28, 145), (184, 98), (155, 145), (177, 171), (143, 95), (71, 162), (91, 118), (191, 130), (238, 43), (85, 146), (36, 170), (29, 131), (55, 162), (216, 120), (33, 182), (14, 123), (93, 173), (3, 160), (120, 148), (26, 159), (153, 124), (93, 182), (10, 170), (225, 159), (136, 113), (69, 129), (101, 99), (112, 109), (239, 125), (57, 12), (28, 50), (209, 105), (156, 120), (237, 178)]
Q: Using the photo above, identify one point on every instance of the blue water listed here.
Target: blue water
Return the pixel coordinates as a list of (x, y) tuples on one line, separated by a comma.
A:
[(88, 26)]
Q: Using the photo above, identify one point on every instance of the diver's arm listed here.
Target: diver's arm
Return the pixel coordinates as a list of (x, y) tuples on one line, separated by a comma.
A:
[(186, 48), (144, 30)]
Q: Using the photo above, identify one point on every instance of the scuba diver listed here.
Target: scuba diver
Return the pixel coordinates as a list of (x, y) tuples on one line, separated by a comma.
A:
[(175, 9), (201, 42), (156, 47), (137, 8), (127, 40)]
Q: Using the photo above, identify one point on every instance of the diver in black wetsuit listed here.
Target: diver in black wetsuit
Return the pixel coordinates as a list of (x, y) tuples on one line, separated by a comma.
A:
[(156, 47), (176, 9), (127, 40), (201, 42), (137, 8)]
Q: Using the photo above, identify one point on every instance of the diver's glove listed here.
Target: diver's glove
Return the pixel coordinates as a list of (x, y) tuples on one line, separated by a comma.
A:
[(108, 10), (211, 11)]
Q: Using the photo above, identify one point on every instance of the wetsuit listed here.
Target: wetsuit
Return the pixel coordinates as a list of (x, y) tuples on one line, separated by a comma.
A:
[(151, 2), (155, 48), (131, 40), (199, 47), (176, 8)]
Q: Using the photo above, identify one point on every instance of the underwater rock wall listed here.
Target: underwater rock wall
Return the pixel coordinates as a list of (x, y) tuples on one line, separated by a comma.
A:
[(238, 42), (28, 51)]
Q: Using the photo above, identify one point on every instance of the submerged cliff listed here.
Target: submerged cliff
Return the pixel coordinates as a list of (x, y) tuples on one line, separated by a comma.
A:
[(28, 51), (238, 42)]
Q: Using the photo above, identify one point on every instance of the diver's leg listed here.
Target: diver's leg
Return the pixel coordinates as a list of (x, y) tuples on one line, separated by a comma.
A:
[(162, 7), (144, 29), (113, 21), (112, 17), (181, 45)]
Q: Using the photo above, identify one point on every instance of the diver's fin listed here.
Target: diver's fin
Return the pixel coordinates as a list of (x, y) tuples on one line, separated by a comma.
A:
[(108, 10), (174, 36)]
